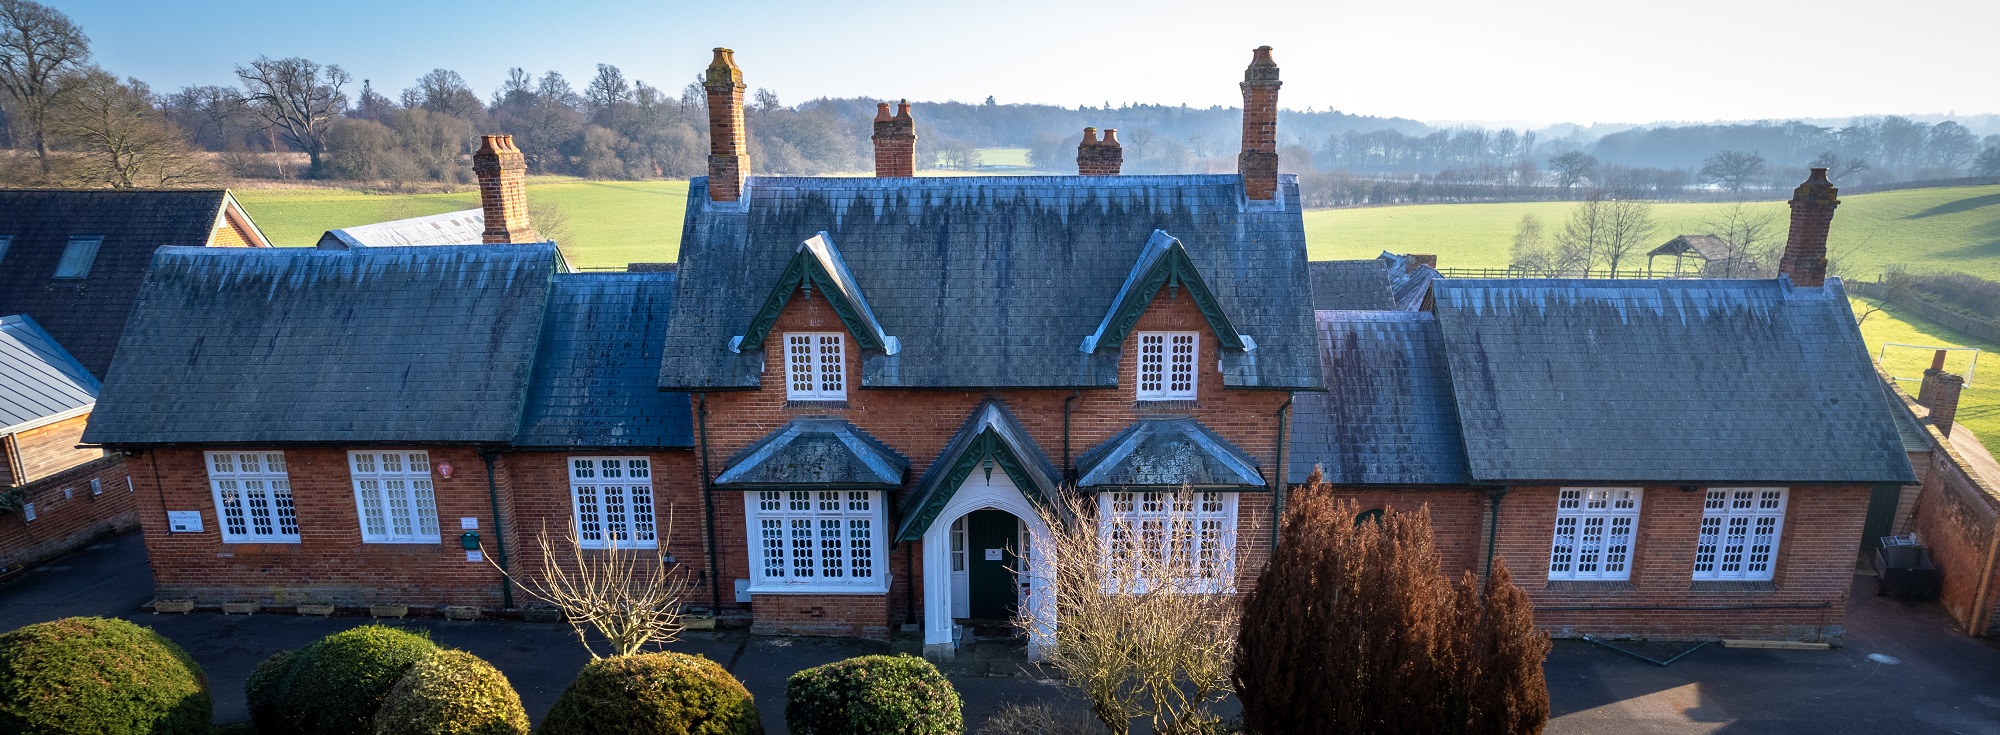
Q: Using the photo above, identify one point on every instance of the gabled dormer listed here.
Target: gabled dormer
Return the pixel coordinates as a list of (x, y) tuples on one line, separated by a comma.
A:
[(816, 361), (1166, 362)]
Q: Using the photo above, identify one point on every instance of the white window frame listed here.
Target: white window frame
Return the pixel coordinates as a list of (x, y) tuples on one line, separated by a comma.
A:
[(611, 499), (1596, 533), (1167, 369), (77, 260), (395, 485), (815, 366), (1741, 528), (817, 541), (265, 513), (1147, 516)]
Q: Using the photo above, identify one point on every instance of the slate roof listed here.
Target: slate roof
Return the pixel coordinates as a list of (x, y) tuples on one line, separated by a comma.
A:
[(451, 228), (1167, 451), (816, 452), (992, 282), (301, 345), (39, 381), (595, 382), (86, 315), (1665, 381), (1409, 282), (1388, 416), (1350, 285)]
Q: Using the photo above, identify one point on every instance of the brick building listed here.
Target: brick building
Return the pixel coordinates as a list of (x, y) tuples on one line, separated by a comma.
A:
[(841, 409)]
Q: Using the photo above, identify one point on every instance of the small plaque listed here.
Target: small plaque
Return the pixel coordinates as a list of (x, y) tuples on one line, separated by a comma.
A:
[(468, 524), (474, 555), (994, 554), (184, 521)]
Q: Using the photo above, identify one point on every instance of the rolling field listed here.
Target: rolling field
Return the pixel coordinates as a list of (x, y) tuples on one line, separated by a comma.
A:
[(610, 223), (1923, 229)]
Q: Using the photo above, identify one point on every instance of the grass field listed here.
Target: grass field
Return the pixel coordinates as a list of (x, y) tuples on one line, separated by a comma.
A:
[(1924, 229), (1979, 405), (610, 223)]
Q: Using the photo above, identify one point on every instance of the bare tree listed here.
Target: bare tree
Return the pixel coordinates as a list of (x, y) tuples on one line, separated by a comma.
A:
[(1837, 167), (121, 139), (1732, 170), (444, 91), (1146, 610), (1628, 228), (1988, 162), (1752, 239), (298, 98), (38, 46), (1581, 238), (1572, 168), (1530, 254), (629, 596)]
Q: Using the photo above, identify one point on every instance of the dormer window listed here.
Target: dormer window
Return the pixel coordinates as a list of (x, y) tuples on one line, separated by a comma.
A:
[(1166, 365), (815, 366)]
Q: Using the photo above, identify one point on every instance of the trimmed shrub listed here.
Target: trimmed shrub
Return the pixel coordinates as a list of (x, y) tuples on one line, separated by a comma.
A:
[(99, 676), (335, 685), (451, 692), (264, 688), (654, 693), (873, 695)]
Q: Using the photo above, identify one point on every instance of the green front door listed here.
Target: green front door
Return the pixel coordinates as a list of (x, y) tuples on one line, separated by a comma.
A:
[(990, 539), (1881, 516)]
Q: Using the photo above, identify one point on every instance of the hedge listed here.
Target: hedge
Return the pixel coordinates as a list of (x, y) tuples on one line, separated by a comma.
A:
[(873, 695), (335, 685), (451, 692), (654, 693), (99, 676)]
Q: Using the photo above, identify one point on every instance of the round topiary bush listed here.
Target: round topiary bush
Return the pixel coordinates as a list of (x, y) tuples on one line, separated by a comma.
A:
[(264, 688), (654, 693), (451, 692), (101, 676), (873, 695), (335, 685)]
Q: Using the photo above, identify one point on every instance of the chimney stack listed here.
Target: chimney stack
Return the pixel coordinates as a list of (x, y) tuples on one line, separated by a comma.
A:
[(1258, 163), (895, 141), (1929, 384), (1812, 216), (1418, 261), (728, 150), (1099, 157), (1944, 401), (503, 194)]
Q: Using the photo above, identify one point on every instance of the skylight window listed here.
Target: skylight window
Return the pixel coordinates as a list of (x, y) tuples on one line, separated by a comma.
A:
[(77, 257)]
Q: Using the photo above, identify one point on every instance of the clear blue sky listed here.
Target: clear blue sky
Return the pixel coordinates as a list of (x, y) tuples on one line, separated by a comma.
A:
[(1533, 60)]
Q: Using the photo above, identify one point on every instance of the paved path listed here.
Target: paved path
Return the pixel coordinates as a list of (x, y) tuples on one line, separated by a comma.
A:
[(1941, 682)]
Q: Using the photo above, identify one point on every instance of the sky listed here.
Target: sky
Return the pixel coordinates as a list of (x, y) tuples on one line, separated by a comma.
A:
[(1523, 62)]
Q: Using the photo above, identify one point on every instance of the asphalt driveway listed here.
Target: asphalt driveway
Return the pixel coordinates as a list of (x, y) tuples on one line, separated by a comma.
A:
[(1922, 677)]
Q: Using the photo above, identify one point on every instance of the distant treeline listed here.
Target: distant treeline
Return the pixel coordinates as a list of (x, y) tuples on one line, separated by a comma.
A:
[(64, 121)]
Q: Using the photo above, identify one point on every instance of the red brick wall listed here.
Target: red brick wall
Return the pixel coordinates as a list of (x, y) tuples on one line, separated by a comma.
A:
[(1957, 518), (67, 515), (918, 423), (46, 450), (1458, 520), (1815, 570), (331, 563), (865, 616)]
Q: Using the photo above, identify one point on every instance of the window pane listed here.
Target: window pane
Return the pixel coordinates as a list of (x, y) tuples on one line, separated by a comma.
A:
[(832, 378), (77, 257), (1152, 358), (1181, 376), (799, 359), (1740, 530)]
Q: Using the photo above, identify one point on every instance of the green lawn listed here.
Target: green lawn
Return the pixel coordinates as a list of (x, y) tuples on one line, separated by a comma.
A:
[(610, 223), (1924, 229), (1009, 157), (1979, 405)]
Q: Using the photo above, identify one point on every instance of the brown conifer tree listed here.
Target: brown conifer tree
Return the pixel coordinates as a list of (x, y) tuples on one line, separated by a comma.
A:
[(1353, 628)]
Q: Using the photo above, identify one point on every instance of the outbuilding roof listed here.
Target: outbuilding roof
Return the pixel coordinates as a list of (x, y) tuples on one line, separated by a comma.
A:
[(595, 382), (992, 282), (1685, 381), (1388, 416), (301, 345), (86, 314), (1350, 285), (451, 228), (40, 382)]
